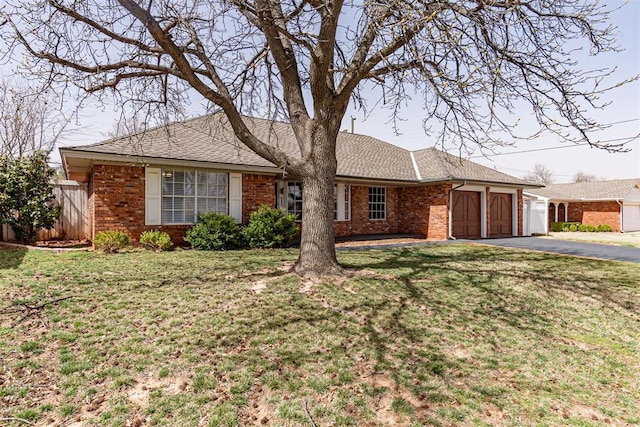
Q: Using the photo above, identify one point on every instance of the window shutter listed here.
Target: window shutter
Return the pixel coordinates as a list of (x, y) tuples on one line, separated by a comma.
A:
[(235, 196), (153, 196)]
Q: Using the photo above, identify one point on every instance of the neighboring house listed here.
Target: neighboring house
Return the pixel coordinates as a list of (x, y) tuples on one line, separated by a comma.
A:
[(164, 177), (616, 203)]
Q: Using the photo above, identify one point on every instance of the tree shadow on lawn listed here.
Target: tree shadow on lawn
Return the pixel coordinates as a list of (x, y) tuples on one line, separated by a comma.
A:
[(11, 258), (430, 326), (614, 284)]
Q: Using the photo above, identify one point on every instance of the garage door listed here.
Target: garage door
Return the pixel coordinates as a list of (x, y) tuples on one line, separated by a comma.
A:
[(630, 218), (501, 219), (465, 214)]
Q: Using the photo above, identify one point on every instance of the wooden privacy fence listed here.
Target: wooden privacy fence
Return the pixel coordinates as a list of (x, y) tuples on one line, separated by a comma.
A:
[(73, 223)]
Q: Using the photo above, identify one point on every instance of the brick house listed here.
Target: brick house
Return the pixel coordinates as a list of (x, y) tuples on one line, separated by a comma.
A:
[(616, 203), (164, 177)]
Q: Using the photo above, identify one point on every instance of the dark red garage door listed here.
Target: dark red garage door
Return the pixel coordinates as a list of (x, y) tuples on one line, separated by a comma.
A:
[(466, 215), (501, 219)]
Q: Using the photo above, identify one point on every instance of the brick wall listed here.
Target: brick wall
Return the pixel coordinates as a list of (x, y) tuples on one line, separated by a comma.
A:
[(360, 222), (520, 212), (257, 190), (423, 210), (117, 202), (595, 213), (117, 194)]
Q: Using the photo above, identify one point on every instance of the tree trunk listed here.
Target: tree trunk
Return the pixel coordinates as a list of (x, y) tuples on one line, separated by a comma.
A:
[(317, 240), (317, 243)]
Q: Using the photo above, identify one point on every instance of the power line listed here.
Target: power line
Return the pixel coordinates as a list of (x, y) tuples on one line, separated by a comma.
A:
[(533, 150)]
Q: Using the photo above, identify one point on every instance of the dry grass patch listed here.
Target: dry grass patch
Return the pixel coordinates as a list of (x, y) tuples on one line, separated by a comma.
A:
[(438, 335)]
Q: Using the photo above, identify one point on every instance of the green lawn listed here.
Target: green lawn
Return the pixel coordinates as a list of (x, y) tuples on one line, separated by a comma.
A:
[(441, 335)]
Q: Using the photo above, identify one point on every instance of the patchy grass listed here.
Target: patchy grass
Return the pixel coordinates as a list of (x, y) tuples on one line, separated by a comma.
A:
[(440, 335)]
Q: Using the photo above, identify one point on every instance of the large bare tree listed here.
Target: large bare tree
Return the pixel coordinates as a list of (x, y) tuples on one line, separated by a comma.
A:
[(306, 60), (540, 174), (30, 121)]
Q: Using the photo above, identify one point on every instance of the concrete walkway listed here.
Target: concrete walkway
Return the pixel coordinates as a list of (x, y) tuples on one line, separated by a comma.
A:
[(568, 247)]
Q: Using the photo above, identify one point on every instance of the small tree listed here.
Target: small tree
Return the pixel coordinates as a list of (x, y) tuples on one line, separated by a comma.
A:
[(26, 199)]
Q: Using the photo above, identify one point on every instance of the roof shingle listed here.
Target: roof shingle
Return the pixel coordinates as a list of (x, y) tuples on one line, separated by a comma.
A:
[(210, 139), (597, 190)]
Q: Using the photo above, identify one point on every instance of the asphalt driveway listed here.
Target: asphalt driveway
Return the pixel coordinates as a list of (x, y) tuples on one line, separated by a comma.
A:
[(567, 247)]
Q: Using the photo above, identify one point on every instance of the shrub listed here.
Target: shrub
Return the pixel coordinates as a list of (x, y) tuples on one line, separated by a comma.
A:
[(564, 226), (270, 228), (589, 228), (214, 232), (111, 241), (27, 203), (156, 240), (573, 227), (605, 228)]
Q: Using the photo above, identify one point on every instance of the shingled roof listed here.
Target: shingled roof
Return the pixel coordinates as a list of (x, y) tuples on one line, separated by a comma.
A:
[(597, 190), (437, 164), (210, 139)]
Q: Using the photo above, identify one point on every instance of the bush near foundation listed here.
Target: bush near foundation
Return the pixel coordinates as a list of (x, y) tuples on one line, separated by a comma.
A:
[(111, 241), (214, 232), (270, 228), (576, 226), (156, 240)]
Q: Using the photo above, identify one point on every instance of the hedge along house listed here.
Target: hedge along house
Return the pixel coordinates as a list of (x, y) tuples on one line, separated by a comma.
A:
[(164, 177), (615, 203)]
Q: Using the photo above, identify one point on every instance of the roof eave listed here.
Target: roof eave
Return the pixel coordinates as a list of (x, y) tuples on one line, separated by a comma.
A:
[(162, 161), (476, 181)]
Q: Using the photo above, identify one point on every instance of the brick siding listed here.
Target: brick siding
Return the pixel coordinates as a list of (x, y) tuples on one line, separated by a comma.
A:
[(424, 210), (595, 213), (117, 202), (257, 190), (520, 212), (360, 222)]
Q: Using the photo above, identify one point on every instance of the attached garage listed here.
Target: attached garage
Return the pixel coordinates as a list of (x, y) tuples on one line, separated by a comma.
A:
[(501, 215), (465, 215), (630, 217)]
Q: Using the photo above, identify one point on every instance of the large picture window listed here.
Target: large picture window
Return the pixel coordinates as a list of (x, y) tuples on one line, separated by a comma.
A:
[(186, 193), (377, 203)]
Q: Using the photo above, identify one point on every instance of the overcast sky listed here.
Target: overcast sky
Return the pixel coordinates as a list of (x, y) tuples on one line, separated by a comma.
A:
[(564, 160)]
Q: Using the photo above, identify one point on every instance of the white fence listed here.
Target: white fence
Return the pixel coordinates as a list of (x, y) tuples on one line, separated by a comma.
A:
[(73, 223)]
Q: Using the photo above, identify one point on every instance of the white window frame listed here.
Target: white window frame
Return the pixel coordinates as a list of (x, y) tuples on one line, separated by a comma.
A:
[(342, 202), (195, 195), (379, 193)]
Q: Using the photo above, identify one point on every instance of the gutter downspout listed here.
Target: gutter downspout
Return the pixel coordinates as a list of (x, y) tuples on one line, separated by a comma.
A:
[(621, 215), (451, 237)]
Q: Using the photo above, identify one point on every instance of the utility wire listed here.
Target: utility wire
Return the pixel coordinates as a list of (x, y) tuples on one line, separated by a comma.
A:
[(629, 139)]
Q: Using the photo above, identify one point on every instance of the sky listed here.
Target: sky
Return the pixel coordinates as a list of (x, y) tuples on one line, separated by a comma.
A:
[(563, 159)]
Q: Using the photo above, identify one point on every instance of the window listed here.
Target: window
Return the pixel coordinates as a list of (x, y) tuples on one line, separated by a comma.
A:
[(342, 202), (185, 193), (377, 203), (294, 199)]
